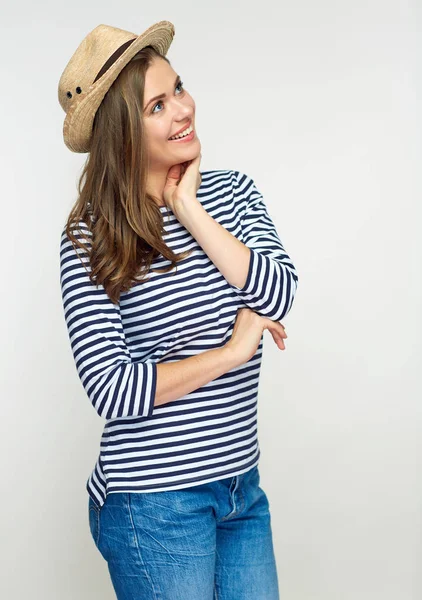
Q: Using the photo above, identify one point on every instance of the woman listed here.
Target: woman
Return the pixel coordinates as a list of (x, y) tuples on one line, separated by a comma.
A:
[(169, 277)]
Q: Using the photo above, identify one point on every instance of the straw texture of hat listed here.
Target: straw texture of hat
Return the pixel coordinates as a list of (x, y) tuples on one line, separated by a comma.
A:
[(92, 69)]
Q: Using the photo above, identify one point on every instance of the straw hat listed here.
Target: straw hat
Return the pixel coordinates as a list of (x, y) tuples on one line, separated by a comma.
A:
[(93, 68)]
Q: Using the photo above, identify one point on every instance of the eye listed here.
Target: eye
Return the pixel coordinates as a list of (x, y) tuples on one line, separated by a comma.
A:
[(160, 102)]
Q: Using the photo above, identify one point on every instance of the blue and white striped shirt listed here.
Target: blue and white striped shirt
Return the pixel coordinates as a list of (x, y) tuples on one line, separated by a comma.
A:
[(210, 433)]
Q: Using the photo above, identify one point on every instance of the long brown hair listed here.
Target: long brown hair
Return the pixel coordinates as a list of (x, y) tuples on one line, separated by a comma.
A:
[(124, 221)]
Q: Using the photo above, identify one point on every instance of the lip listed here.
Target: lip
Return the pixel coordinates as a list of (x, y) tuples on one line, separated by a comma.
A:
[(184, 140), (180, 130)]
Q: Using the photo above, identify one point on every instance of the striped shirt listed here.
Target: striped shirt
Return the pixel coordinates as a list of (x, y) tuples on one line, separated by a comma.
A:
[(211, 432)]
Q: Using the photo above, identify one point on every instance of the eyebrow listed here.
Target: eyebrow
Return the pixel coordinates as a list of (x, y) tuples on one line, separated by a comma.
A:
[(161, 95)]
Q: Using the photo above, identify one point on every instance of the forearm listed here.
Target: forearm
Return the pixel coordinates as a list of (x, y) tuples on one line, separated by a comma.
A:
[(176, 379), (258, 270), (230, 255)]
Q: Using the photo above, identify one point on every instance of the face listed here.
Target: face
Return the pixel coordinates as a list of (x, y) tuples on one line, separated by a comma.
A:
[(165, 116)]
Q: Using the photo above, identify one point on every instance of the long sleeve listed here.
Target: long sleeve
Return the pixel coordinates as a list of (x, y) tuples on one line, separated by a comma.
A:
[(116, 386), (272, 279)]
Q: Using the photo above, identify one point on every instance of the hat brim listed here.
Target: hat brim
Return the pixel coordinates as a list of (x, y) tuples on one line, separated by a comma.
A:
[(77, 126)]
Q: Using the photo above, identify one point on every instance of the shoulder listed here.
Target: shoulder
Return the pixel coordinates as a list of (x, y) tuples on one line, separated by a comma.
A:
[(79, 230), (237, 179), (77, 246), (231, 182)]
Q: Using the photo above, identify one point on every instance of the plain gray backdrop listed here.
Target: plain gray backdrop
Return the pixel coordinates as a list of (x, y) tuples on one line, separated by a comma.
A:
[(319, 102)]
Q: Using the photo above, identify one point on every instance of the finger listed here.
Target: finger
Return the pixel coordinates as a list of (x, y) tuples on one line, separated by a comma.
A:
[(279, 333), (277, 327), (279, 341), (282, 343), (283, 330), (191, 172), (174, 172)]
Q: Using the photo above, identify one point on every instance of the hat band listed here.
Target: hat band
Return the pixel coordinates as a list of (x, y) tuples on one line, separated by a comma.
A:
[(113, 59)]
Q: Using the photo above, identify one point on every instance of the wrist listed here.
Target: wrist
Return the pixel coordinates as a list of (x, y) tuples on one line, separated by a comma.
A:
[(186, 209), (229, 356)]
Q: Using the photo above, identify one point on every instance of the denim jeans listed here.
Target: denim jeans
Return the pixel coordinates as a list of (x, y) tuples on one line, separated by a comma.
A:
[(206, 542)]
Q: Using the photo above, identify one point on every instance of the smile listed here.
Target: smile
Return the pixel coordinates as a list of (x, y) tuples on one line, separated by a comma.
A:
[(186, 135)]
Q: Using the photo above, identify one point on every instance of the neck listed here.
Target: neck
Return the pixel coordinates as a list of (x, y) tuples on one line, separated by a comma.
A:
[(156, 183)]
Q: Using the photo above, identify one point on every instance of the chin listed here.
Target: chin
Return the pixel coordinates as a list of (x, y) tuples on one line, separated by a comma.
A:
[(194, 147)]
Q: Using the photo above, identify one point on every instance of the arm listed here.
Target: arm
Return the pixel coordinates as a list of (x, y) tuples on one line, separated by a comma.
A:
[(258, 269), (176, 379), (116, 385)]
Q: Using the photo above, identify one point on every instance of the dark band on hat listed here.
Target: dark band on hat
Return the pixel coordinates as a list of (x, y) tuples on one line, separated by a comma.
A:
[(113, 58)]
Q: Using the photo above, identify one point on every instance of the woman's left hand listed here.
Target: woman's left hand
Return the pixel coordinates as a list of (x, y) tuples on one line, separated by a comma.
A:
[(182, 184)]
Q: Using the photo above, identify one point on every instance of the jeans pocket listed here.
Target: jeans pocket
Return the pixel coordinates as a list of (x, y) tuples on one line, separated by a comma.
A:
[(94, 520)]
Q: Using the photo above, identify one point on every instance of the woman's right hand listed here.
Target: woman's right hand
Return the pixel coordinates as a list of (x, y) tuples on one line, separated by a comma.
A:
[(247, 333)]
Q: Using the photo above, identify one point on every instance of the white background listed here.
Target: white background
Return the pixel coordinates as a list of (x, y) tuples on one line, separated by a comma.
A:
[(319, 102)]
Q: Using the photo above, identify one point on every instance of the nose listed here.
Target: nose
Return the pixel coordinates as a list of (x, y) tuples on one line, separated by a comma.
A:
[(182, 105)]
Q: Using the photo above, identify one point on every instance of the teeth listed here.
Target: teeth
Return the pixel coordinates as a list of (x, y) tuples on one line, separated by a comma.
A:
[(183, 134)]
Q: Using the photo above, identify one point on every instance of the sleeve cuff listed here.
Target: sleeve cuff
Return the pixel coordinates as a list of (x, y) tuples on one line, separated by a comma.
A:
[(152, 377), (253, 265)]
